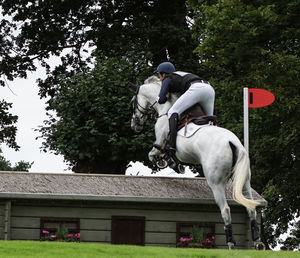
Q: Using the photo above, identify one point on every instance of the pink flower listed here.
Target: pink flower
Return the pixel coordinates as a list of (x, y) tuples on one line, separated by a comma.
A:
[(70, 235), (213, 237), (77, 235), (53, 236), (207, 240), (45, 231), (185, 239)]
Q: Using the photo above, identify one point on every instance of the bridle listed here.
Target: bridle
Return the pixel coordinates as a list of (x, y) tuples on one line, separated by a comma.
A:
[(137, 106)]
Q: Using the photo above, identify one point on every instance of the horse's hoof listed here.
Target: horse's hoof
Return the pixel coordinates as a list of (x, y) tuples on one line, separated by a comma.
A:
[(230, 245), (177, 167), (260, 246), (161, 164)]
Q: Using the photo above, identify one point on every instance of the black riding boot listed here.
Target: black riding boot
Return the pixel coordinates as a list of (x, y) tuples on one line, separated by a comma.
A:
[(171, 147)]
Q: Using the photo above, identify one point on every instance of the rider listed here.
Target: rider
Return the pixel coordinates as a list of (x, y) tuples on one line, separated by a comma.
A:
[(192, 88)]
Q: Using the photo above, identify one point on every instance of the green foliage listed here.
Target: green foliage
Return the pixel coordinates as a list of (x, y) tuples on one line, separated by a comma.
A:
[(8, 132), (294, 241), (197, 234), (91, 126), (8, 129), (255, 44), (61, 232), (71, 27), (5, 165)]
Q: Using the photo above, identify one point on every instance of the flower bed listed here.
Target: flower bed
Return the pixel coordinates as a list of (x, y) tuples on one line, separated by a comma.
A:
[(61, 234), (197, 239)]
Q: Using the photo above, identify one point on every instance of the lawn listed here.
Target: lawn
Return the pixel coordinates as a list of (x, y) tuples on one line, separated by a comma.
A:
[(20, 249)]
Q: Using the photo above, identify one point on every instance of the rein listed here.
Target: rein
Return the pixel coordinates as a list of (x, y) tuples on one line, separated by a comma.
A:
[(140, 108), (159, 116)]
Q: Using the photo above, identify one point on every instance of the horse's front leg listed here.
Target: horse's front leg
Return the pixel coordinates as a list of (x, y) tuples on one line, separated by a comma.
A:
[(157, 158), (161, 132), (154, 154)]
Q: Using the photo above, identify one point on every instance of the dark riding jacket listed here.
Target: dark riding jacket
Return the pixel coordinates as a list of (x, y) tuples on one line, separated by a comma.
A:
[(176, 82)]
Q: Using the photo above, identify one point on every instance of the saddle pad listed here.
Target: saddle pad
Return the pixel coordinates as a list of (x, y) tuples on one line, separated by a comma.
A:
[(191, 129)]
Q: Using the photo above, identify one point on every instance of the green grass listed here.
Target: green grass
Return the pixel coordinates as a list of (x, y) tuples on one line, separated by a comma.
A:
[(20, 249)]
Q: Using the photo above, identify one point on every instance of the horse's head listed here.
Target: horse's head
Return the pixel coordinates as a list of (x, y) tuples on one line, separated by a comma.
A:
[(141, 109), (143, 104)]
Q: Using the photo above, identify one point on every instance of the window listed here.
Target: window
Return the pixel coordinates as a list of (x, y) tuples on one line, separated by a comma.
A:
[(195, 233), (51, 225)]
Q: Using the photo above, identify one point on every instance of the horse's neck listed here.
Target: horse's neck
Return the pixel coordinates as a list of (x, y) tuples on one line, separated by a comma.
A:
[(152, 91), (162, 109)]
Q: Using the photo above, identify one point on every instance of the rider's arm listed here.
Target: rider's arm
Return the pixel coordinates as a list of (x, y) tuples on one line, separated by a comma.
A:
[(162, 97)]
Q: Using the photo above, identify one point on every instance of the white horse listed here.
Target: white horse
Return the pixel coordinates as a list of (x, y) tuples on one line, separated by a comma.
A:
[(218, 150)]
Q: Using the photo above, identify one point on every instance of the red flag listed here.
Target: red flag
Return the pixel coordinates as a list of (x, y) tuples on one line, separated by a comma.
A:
[(259, 98)]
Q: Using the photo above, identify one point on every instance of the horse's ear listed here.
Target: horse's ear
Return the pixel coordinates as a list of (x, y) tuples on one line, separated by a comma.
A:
[(133, 86)]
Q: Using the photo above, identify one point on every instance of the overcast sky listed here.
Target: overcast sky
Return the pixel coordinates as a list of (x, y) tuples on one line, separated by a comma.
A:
[(23, 94)]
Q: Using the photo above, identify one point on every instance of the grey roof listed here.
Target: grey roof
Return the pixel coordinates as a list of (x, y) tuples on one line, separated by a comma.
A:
[(108, 187)]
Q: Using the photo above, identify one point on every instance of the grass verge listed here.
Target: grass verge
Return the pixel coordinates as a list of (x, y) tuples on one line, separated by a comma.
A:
[(32, 249)]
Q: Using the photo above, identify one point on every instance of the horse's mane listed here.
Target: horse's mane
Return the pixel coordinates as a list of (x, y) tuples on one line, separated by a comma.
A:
[(152, 79)]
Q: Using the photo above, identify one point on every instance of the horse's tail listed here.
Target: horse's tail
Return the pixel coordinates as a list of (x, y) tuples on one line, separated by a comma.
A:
[(240, 174)]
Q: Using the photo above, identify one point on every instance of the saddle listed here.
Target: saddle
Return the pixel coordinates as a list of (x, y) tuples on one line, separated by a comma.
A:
[(196, 115)]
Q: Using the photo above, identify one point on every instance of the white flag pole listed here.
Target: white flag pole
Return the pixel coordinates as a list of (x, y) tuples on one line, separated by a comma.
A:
[(246, 120)]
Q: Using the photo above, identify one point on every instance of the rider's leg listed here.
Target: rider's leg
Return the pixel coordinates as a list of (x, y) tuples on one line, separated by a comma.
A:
[(207, 99), (200, 93), (186, 100), (171, 145), (173, 122)]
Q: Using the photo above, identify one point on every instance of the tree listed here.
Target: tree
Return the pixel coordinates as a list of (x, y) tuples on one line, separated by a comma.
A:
[(292, 242), (8, 132), (256, 44), (91, 128), (5, 165), (116, 29), (8, 128), (70, 27), (168, 30)]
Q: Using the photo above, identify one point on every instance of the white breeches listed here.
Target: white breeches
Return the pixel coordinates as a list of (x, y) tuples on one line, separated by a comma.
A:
[(198, 92)]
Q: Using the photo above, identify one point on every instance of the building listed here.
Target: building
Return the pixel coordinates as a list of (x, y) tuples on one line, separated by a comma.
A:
[(116, 209)]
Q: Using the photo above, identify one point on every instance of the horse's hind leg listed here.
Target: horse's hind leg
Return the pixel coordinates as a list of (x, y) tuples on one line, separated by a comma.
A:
[(252, 215), (220, 197)]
